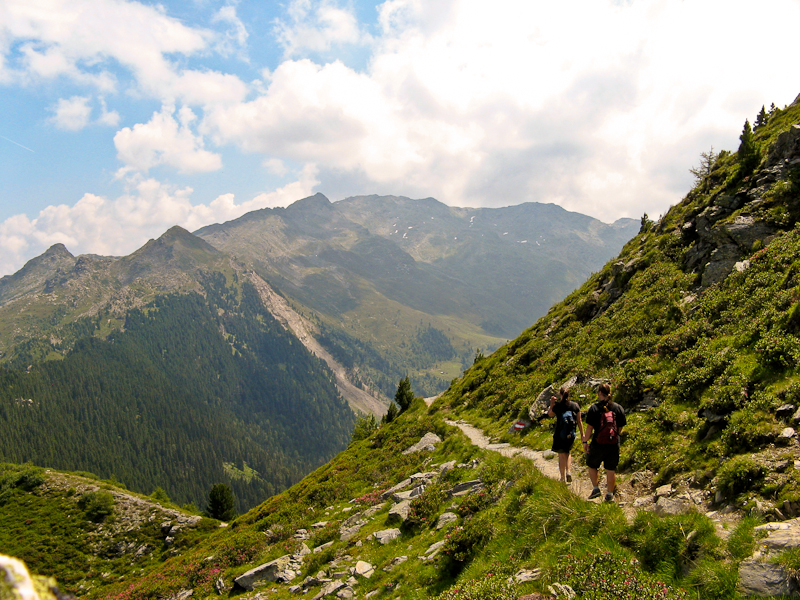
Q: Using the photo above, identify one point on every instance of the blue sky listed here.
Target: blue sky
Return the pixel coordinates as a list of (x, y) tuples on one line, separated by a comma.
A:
[(121, 118)]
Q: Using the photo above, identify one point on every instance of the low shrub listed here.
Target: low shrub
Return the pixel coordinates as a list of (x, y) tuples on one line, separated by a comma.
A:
[(489, 587), (667, 544), (741, 542), (424, 507), (607, 577), (465, 540), (97, 505), (740, 474)]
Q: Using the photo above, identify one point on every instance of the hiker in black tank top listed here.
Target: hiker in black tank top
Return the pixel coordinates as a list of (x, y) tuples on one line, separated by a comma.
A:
[(568, 419)]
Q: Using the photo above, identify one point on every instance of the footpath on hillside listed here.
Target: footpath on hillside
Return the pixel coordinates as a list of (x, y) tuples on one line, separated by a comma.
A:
[(633, 493)]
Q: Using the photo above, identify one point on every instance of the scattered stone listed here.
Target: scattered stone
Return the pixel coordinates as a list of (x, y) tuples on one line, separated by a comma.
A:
[(428, 443), (399, 512), (345, 593), (364, 569), (386, 535), (548, 455), (785, 411), (786, 435), (664, 490), (399, 560), (525, 575), (422, 478), (449, 466), (466, 487), (322, 547), (319, 525), (445, 519), (220, 587), (302, 535), (560, 590), (400, 486), (433, 550), (303, 551), (643, 501), (373, 593), (670, 506), (329, 588), (408, 494)]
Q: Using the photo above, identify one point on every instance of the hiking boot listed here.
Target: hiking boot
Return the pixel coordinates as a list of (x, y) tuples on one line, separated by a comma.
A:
[(569, 477), (609, 497), (595, 493)]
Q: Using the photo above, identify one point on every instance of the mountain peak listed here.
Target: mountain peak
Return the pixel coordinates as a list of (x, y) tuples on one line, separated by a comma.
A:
[(316, 201)]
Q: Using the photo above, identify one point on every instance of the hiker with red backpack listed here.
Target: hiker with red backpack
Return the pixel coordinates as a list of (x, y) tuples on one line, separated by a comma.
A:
[(604, 422), (568, 417)]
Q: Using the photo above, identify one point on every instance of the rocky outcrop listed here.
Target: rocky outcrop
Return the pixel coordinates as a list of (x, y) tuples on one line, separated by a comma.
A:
[(428, 443), (281, 569)]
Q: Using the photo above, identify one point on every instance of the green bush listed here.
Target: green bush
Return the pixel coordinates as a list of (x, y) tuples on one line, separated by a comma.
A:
[(489, 587), (740, 474), (465, 540), (667, 544), (608, 577), (741, 543), (97, 505), (749, 429), (714, 579), (424, 507)]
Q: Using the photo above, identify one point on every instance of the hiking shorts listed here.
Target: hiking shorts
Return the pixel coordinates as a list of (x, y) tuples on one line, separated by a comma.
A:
[(605, 454), (561, 444)]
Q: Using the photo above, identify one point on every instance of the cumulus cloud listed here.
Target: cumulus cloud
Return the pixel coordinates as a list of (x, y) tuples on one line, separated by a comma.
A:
[(235, 38), (72, 114), (165, 140), (86, 41), (119, 226), (317, 26)]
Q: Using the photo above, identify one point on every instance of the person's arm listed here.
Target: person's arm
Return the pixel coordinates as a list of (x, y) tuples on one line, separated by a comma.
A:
[(587, 435), (580, 424), (550, 412)]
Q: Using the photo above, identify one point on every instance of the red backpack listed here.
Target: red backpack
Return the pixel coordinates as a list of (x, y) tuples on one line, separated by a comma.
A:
[(608, 433)]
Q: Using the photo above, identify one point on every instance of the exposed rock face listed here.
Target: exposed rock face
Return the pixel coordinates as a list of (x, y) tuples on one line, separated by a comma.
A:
[(428, 443), (757, 578), (280, 569), (399, 512)]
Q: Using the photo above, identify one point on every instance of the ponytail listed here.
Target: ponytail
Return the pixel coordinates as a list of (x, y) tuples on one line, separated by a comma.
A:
[(564, 393), (605, 389)]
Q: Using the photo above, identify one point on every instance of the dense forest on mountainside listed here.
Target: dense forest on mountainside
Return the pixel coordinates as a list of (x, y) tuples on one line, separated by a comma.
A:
[(192, 392)]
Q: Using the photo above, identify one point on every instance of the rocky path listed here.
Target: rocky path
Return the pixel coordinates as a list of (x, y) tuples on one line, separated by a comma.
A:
[(544, 460)]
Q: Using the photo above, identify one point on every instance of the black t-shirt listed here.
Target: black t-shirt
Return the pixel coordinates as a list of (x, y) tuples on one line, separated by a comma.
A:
[(595, 413), (559, 408)]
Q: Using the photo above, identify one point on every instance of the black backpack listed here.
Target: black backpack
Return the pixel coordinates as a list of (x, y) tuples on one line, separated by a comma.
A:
[(568, 425)]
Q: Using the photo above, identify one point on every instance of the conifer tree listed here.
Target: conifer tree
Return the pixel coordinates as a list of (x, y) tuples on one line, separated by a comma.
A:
[(761, 119), (748, 151), (404, 396), (702, 173), (391, 414), (221, 503)]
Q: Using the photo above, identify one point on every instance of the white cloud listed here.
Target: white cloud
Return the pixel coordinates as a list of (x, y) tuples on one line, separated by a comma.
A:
[(318, 26), (117, 227), (165, 141), (589, 104), (86, 41), (72, 114), (236, 37)]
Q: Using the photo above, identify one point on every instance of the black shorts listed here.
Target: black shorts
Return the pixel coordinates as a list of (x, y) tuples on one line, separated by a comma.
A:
[(605, 454), (562, 444)]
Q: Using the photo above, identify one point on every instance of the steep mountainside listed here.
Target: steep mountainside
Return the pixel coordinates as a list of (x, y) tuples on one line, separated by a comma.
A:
[(163, 368), (386, 276)]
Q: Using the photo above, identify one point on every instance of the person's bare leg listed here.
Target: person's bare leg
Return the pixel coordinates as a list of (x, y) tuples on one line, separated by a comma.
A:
[(593, 476), (569, 467), (611, 481), (563, 465)]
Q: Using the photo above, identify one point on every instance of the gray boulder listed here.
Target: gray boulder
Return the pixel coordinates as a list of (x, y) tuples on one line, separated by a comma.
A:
[(760, 578), (386, 535), (427, 443), (445, 519), (272, 571), (399, 512)]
